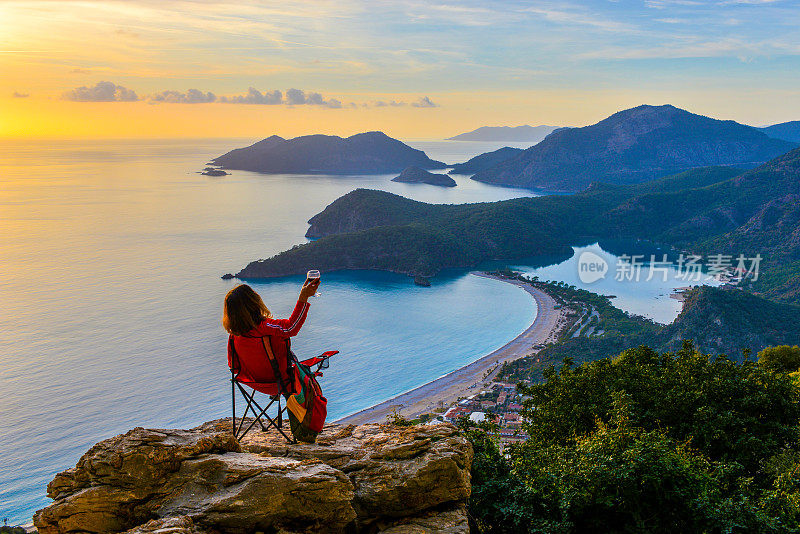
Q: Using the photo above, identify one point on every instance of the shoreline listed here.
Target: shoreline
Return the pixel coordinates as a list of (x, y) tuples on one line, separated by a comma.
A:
[(447, 389)]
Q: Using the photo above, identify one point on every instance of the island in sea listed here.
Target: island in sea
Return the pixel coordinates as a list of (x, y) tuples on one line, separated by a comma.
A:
[(415, 175), (211, 171), (364, 153)]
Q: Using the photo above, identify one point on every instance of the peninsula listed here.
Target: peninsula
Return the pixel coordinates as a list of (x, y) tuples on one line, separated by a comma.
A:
[(713, 210)]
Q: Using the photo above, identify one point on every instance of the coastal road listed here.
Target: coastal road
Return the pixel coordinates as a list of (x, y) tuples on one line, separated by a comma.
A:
[(471, 378)]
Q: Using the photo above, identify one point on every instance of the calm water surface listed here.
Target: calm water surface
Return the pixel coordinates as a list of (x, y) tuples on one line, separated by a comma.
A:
[(111, 256)]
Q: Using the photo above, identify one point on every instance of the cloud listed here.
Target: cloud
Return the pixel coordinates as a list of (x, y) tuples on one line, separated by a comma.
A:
[(421, 102), (127, 33), (571, 17), (424, 102), (20, 95), (391, 103), (110, 92), (254, 96), (192, 96), (745, 51), (298, 97), (101, 92), (80, 71)]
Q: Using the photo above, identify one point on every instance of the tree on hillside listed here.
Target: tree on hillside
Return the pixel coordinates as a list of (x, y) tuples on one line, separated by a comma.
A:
[(647, 442), (780, 358)]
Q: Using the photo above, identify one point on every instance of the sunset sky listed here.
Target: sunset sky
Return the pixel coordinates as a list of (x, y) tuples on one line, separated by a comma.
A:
[(416, 69)]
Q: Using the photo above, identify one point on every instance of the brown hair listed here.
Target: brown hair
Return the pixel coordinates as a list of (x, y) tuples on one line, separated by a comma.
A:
[(243, 310)]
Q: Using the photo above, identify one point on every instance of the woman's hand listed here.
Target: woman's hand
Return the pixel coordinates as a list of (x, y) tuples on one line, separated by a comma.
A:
[(309, 289)]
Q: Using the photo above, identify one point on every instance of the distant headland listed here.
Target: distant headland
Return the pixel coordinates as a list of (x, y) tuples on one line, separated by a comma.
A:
[(507, 134)]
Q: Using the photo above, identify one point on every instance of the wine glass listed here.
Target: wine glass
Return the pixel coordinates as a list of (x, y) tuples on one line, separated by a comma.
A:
[(313, 275)]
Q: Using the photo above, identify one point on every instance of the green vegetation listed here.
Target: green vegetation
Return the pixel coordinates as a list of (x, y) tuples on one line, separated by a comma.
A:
[(781, 358), (376, 230), (647, 442), (781, 281), (595, 329), (730, 322)]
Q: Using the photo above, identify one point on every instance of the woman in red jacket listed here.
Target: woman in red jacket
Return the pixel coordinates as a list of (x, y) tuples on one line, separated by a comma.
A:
[(250, 325)]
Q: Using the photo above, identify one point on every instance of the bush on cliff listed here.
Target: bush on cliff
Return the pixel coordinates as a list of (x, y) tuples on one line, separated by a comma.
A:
[(647, 442)]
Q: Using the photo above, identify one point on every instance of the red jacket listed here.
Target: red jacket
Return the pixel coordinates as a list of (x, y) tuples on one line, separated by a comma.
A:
[(252, 363)]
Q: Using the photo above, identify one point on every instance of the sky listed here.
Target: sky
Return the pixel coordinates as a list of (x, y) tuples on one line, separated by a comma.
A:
[(413, 69)]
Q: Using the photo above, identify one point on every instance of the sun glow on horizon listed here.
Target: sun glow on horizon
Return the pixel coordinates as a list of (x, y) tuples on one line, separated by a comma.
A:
[(421, 70)]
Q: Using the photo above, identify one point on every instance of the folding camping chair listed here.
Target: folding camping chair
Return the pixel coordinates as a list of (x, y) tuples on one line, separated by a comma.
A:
[(273, 390)]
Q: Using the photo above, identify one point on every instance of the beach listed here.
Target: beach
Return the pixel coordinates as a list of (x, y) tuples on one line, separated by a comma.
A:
[(473, 377)]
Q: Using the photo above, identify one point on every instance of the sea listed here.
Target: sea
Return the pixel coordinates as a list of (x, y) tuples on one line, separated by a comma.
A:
[(111, 254)]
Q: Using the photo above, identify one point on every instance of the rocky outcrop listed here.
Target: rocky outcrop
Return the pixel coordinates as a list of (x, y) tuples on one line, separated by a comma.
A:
[(415, 175), (360, 479), (211, 171)]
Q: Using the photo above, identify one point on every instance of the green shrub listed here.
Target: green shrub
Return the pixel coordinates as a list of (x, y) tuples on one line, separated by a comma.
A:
[(646, 443), (780, 358)]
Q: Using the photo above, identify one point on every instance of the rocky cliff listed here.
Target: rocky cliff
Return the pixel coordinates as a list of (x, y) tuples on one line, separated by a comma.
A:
[(355, 479)]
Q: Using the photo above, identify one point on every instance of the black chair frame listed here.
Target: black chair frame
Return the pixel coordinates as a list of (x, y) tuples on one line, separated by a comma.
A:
[(260, 414)]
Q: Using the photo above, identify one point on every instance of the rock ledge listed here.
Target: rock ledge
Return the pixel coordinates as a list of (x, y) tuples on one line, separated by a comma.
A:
[(355, 479)]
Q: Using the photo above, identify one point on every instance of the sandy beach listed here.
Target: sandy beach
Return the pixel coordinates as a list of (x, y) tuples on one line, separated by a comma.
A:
[(471, 378)]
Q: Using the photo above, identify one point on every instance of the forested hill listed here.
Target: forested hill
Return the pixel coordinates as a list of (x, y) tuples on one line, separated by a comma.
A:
[(485, 161), (633, 146)]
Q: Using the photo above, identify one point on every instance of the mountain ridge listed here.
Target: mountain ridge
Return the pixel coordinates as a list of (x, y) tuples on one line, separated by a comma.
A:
[(788, 131), (484, 161), (633, 146)]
